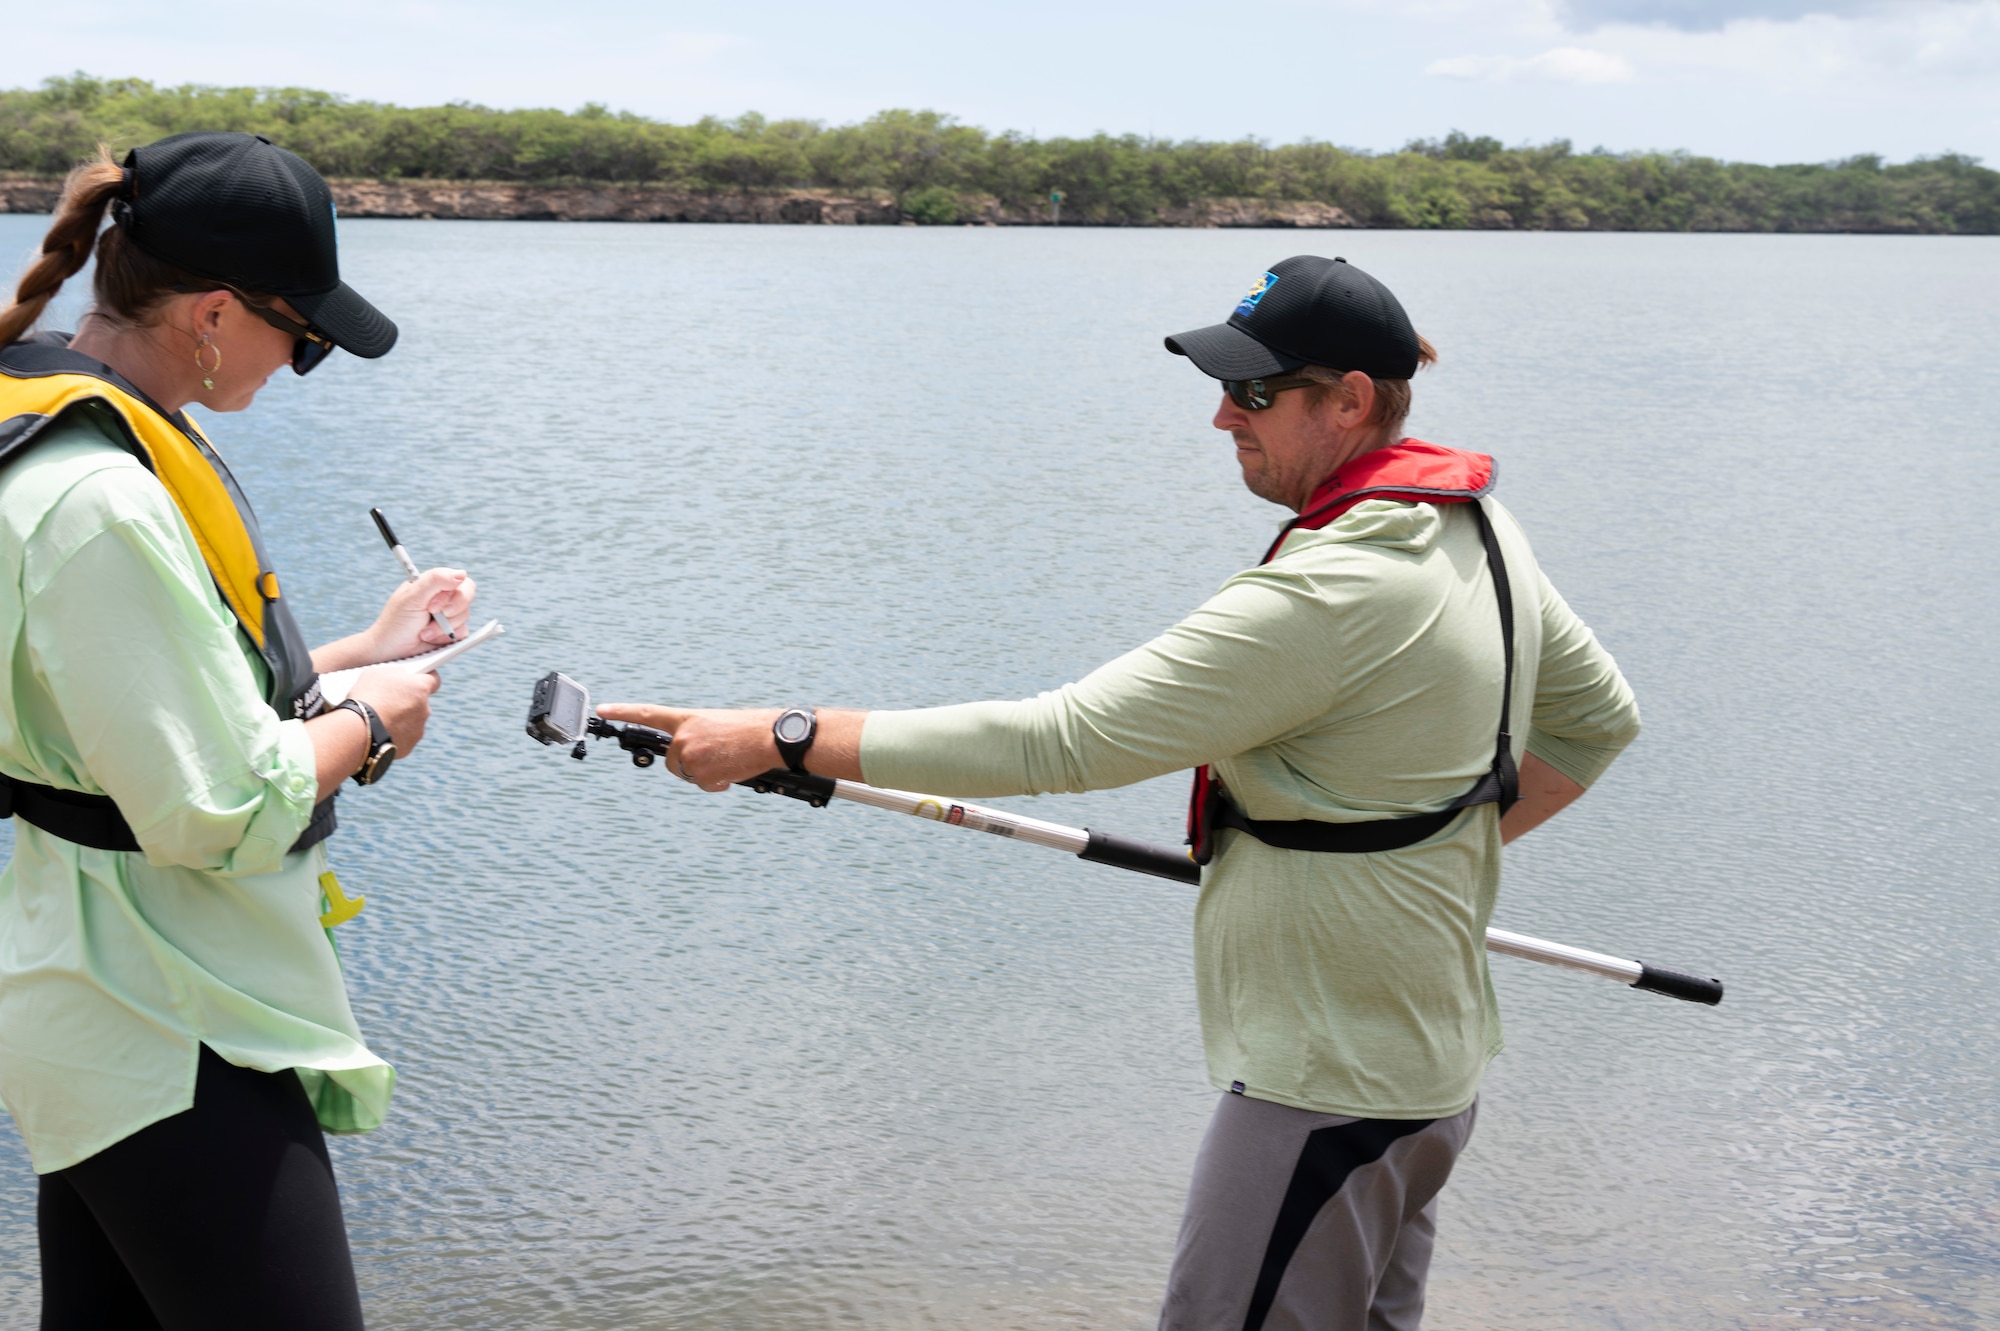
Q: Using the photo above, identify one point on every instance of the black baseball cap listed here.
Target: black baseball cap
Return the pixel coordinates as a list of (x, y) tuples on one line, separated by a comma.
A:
[(1307, 311), (237, 208)]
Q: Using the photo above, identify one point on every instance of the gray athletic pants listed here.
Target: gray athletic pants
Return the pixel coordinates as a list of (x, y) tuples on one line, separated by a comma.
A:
[(1299, 1221)]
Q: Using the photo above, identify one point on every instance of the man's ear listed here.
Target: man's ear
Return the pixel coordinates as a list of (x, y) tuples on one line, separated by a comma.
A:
[(1360, 403)]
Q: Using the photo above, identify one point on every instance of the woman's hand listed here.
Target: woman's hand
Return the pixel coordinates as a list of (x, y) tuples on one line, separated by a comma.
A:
[(714, 749), (401, 697), (404, 627)]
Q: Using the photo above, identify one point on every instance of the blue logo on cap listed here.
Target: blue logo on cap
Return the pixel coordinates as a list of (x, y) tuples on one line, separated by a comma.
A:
[(1248, 305)]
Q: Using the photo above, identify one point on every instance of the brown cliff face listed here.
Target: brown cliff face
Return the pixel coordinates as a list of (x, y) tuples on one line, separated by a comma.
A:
[(1255, 213), (646, 203), (20, 194), (495, 201), (604, 203)]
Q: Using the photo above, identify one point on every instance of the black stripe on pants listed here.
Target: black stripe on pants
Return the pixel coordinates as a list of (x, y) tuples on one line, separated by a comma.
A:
[(1330, 1155), (1304, 1221), (223, 1216)]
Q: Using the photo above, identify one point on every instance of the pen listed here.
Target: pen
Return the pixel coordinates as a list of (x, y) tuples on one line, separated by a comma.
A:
[(409, 567)]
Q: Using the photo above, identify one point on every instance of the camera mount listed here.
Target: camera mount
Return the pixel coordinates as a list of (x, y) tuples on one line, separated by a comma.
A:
[(561, 714)]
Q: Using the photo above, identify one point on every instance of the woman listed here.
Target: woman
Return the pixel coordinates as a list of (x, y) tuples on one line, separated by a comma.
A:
[(174, 1032)]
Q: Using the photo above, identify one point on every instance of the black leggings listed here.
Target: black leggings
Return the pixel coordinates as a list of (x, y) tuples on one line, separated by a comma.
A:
[(224, 1216)]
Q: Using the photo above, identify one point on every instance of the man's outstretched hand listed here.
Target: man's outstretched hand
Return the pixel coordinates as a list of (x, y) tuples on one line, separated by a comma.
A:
[(716, 748)]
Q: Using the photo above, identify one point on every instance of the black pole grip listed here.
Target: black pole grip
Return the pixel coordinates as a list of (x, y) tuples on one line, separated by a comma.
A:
[(1674, 984), (1124, 853), (814, 790)]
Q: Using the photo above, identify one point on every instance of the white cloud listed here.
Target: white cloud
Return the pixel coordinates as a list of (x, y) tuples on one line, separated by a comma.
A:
[(1563, 64), (1849, 56), (1694, 15), (1885, 50)]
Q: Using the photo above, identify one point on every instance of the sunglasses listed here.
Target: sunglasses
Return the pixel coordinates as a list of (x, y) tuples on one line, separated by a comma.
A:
[(1256, 394), (308, 349)]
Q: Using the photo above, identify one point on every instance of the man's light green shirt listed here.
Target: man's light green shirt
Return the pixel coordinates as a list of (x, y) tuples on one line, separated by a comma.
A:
[(1355, 676), (127, 676)]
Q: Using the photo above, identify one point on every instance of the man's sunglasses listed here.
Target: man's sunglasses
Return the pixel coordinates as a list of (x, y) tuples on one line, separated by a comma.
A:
[(1256, 394), (309, 347)]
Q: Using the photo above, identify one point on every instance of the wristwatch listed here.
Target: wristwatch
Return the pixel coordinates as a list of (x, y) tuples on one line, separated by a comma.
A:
[(381, 749), (794, 730)]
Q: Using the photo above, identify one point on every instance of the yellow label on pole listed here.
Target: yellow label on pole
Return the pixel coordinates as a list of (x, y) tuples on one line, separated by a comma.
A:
[(339, 909)]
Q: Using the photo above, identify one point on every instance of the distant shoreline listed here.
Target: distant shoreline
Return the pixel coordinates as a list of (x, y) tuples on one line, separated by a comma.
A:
[(505, 201), (903, 166), (509, 201)]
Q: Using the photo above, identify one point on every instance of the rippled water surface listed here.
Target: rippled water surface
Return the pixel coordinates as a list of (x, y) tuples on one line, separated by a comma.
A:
[(676, 1061)]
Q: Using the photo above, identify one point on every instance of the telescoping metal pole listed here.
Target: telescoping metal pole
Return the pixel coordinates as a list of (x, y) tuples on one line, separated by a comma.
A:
[(644, 744)]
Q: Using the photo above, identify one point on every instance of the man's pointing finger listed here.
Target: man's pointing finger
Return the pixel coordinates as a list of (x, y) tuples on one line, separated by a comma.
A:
[(668, 719)]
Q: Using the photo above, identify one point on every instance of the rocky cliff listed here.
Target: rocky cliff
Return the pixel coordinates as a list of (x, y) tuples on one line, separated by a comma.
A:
[(25, 195), (647, 203), (605, 203)]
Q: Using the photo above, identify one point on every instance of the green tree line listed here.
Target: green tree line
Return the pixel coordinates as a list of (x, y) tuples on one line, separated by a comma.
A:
[(939, 170)]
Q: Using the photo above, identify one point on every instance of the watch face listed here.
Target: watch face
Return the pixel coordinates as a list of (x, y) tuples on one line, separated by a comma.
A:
[(378, 764), (793, 726)]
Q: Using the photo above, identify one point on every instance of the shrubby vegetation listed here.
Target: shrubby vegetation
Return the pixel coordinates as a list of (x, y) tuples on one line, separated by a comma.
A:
[(938, 169)]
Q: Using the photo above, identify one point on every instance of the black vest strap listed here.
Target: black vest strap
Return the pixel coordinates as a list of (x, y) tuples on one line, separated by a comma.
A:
[(94, 820), (325, 819), (1501, 783), (88, 820), (1367, 838)]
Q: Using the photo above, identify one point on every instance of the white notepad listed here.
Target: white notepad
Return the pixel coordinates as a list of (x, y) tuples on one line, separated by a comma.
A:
[(333, 685)]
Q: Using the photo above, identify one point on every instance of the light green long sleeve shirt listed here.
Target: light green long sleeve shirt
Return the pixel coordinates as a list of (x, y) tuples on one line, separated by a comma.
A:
[(1355, 676), (127, 676)]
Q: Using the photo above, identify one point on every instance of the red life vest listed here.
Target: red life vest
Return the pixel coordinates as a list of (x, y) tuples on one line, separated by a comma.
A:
[(1417, 472)]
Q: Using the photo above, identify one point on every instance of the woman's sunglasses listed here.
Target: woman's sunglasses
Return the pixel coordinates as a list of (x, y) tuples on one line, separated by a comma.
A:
[(309, 348), (1256, 394)]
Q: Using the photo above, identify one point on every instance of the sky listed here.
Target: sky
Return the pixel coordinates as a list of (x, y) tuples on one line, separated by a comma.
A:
[(1745, 80)]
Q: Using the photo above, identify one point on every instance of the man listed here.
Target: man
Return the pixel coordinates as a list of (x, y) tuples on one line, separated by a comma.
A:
[(1358, 776)]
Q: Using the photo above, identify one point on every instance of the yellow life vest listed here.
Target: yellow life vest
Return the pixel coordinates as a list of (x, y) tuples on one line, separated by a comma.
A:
[(42, 381)]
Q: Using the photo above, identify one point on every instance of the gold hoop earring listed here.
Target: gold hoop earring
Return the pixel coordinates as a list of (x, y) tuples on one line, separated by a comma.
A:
[(207, 371)]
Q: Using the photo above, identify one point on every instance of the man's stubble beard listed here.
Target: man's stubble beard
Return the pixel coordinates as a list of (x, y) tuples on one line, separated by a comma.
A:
[(1261, 482)]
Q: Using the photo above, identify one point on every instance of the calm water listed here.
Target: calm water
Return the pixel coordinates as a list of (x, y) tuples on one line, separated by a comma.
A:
[(675, 1061)]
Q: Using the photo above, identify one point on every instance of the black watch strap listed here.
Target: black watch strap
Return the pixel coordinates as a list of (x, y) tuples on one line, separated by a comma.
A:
[(794, 732), (381, 749)]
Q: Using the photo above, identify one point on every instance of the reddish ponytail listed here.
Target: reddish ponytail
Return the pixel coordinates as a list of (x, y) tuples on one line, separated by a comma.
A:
[(86, 194)]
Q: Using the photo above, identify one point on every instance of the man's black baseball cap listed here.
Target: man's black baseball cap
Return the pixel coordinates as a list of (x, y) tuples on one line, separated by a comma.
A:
[(237, 208), (1307, 311)]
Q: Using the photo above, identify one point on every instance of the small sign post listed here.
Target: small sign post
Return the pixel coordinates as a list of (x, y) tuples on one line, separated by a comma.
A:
[(1055, 207)]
